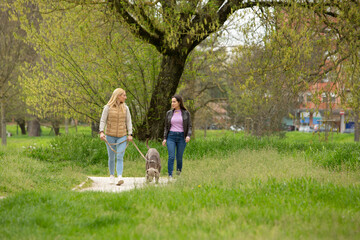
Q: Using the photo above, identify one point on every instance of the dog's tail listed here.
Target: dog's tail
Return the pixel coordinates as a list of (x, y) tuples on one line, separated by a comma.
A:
[(147, 145)]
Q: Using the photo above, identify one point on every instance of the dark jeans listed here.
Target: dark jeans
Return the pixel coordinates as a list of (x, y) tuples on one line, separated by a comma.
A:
[(175, 142)]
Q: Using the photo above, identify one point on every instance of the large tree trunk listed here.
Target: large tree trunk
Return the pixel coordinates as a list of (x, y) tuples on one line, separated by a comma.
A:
[(56, 127), (34, 129), (94, 129), (21, 123), (172, 68), (55, 124), (3, 124), (74, 122), (67, 120)]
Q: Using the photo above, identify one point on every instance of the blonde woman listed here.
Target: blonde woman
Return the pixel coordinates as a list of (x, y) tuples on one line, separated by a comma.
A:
[(117, 119)]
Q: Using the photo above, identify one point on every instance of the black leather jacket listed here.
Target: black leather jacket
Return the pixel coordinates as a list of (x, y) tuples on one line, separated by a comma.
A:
[(186, 123)]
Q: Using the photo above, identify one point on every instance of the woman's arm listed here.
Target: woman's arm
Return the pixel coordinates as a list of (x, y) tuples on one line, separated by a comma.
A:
[(129, 124), (103, 120), (166, 128), (128, 121)]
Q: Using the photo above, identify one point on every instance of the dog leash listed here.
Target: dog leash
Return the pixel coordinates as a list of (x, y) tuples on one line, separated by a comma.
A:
[(125, 147), (139, 150), (109, 144)]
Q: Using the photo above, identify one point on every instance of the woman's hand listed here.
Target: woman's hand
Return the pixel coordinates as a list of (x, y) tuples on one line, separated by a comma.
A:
[(187, 139), (130, 138), (164, 143), (102, 136)]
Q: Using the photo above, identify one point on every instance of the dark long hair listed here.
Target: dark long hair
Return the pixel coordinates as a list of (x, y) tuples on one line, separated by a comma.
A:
[(180, 100)]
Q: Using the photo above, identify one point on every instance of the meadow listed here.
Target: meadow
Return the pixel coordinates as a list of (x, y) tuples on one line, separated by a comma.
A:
[(232, 187)]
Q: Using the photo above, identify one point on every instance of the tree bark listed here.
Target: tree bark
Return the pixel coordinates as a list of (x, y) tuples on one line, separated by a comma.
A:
[(21, 123), (56, 126), (34, 129), (67, 120), (172, 67), (94, 129), (3, 124), (75, 123), (56, 129)]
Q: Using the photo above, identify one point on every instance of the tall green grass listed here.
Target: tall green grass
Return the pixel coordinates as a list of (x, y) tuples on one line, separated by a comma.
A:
[(47, 131), (85, 150), (244, 195), (21, 173)]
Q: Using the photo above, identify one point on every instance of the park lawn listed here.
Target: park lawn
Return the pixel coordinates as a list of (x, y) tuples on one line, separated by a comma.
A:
[(246, 194), (319, 137)]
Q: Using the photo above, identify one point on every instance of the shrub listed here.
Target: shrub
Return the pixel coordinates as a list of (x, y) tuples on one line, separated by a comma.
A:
[(337, 156), (85, 150), (81, 149)]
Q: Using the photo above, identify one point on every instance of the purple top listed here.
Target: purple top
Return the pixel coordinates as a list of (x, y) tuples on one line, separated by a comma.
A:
[(177, 122)]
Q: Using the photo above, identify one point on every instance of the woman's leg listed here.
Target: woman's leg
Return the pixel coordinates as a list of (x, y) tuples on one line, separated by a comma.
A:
[(180, 148), (111, 155), (170, 143), (120, 155)]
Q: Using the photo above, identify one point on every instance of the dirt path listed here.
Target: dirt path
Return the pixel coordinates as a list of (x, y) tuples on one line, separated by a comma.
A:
[(102, 184)]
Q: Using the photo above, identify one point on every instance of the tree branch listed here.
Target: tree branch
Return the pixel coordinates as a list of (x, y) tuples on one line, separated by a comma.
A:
[(136, 28)]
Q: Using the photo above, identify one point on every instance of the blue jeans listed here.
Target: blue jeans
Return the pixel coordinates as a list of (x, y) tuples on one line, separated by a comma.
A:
[(175, 142), (120, 148)]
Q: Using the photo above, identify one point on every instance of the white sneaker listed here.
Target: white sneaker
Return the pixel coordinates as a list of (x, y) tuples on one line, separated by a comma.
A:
[(112, 179)]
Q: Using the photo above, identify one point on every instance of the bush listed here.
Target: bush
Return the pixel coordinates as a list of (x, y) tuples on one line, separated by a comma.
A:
[(85, 150), (81, 149), (337, 156)]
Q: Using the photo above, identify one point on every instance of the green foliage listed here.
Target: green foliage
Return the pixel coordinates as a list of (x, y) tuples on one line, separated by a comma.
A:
[(80, 65), (80, 149), (85, 150), (335, 156), (268, 72)]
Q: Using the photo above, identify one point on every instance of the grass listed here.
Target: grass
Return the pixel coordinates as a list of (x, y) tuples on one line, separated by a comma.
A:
[(241, 193), (317, 137)]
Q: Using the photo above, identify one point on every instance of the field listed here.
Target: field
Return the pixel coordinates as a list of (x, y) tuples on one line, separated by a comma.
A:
[(232, 187)]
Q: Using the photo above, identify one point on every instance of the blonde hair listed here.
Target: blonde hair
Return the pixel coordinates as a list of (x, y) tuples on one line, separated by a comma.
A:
[(114, 96)]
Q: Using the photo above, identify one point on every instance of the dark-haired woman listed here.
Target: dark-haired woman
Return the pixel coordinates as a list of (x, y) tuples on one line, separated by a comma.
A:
[(177, 133)]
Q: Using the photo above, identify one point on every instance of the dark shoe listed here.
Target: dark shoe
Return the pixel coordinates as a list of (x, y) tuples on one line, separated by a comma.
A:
[(178, 173), (120, 182)]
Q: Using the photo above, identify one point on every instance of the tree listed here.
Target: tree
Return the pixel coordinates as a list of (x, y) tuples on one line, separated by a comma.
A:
[(344, 55), (175, 28), (13, 52), (269, 72), (202, 81), (78, 71)]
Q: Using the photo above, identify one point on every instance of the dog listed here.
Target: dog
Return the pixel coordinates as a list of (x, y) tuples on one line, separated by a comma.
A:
[(153, 164)]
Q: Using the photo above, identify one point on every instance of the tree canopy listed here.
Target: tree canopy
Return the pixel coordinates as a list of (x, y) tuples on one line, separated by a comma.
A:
[(175, 28)]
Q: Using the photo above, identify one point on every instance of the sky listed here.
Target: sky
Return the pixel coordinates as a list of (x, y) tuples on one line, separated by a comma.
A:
[(232, 33)]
